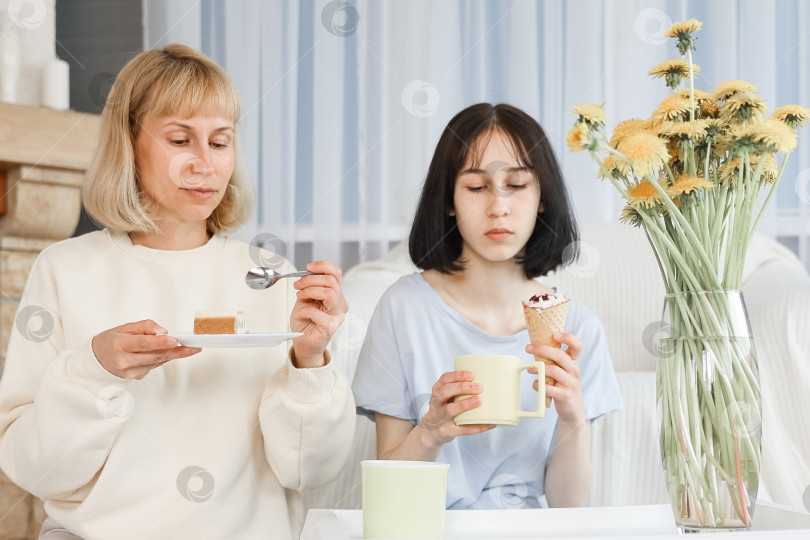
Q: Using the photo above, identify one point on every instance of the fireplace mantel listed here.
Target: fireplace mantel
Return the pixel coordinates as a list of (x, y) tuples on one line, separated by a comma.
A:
[(44, 137), (43, 156)]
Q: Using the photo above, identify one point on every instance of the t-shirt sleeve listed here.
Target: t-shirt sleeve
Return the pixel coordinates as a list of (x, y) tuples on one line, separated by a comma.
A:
[(600, 391), (380, 384)]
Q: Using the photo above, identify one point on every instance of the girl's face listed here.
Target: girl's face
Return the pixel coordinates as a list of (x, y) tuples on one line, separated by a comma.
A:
[(495, 203), (184, 164)]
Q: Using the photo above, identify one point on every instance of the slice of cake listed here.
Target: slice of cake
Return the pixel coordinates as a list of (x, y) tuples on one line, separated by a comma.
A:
[(220, 322)]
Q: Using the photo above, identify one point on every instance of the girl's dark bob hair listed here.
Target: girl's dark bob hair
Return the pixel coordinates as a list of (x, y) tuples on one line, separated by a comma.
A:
[(435, 242)]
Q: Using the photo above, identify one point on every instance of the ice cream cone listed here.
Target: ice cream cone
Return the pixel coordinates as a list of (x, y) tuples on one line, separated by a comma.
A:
[(542, 325)]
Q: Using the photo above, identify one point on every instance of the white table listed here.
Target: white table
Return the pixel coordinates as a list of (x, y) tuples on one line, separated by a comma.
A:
[(639, 522)]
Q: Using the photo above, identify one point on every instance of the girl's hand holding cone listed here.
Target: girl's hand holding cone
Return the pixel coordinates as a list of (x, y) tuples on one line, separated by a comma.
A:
[(562, 366)]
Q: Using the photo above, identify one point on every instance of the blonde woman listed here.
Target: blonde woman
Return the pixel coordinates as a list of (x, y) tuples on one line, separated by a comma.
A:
[(123, 432)]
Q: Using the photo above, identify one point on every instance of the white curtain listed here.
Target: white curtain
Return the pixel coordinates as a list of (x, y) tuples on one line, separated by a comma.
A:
[(345, 101)]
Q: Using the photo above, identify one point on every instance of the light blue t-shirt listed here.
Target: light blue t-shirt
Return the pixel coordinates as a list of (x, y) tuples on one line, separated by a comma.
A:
[(411, 341)]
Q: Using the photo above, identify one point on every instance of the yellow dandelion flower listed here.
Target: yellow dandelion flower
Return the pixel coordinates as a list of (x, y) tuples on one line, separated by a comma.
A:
[(631, 216), (743, 107), (682, 131), (675, 157), (793, 115), (715, 127), (741, 140), (591, 113), (673, 108), (674, 70), (683, 32), (700, 95), (578, 137), (627, 128), (688, 183), (770, 170), (720, 148), (707, 108), (674, 65), (730, 170), (683, 27), (775, 135), (729, 89), (646, 152), (714, 136), (644, 195), (609, 165)]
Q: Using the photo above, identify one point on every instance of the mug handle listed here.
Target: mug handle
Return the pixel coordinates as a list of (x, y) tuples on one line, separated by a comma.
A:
[(541, 389)]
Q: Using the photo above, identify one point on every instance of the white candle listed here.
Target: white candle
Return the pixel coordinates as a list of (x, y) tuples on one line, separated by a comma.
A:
[(56, 84), (9, 60)]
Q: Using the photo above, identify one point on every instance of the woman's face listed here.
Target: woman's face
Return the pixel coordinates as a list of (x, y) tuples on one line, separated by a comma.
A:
[(496, 203), (184, 165)]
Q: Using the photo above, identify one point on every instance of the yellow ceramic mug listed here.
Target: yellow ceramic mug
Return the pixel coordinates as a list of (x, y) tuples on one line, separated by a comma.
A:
[(403, 499), (499, 377)]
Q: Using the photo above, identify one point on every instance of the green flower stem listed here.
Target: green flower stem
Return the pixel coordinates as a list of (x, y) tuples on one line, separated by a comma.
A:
[(752, 190), (720, 220), (710, 418), (708, 451), (626, 197), (688, 232), (729, 393), (673, 250), (713, 316), (749, 378), (750, 195), (684, 239), (708, 158), (732, 246), (768, 198), (691, 83), (701, 223), (656, 251), (687, 462), (687, 449), (704, 199)]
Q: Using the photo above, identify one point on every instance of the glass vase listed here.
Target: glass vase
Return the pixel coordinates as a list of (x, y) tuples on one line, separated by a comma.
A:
[(709, 411)]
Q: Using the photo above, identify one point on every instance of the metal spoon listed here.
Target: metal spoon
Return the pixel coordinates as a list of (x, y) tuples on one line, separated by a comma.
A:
[(261, 277)]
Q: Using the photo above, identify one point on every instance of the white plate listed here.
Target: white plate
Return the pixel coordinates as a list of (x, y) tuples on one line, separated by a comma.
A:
[(189, 339)]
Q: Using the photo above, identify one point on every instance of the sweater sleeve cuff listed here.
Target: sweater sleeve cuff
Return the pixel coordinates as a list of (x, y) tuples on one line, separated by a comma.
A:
[(83, 367), (310, 385)]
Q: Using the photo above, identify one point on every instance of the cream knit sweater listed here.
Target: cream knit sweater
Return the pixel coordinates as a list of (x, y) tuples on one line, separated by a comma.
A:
[(211, 446)]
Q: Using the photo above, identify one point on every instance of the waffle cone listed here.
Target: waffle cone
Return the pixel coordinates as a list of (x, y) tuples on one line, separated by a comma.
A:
[(542, 325)]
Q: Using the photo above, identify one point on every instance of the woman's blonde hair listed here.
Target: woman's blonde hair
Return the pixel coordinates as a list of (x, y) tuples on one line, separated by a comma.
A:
[(169, 81)]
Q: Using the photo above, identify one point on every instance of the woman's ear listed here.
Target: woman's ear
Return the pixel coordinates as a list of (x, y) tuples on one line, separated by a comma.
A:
[(452, 212), (540, 208)]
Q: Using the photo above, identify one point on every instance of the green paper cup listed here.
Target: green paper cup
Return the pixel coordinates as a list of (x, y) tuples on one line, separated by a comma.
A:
[(403, 499)]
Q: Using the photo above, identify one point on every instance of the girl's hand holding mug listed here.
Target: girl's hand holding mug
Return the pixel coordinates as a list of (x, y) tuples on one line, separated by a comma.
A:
[(437, 424)]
